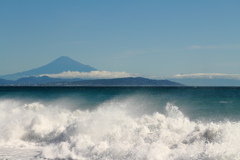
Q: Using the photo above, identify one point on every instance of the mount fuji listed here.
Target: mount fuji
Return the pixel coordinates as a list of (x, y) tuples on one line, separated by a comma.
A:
[(59, 65)]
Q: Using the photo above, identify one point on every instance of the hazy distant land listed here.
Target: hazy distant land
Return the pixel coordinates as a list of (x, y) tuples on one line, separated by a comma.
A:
[(62, 64), (33, 77)]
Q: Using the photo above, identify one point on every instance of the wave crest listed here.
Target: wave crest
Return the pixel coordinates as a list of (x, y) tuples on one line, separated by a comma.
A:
[(110, 132)]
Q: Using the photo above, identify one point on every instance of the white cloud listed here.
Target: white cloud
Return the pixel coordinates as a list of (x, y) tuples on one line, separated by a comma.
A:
[(90, 75), (208, 76), (226, 46), (201, 47)]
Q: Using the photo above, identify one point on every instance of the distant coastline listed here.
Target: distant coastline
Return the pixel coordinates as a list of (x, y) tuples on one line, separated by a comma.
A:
[(47, 81)]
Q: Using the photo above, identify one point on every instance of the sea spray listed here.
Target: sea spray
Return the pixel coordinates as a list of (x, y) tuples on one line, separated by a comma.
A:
[(111, 132)]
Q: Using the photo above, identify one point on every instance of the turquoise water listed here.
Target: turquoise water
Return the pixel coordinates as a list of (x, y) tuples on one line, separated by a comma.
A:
[(123, 122)]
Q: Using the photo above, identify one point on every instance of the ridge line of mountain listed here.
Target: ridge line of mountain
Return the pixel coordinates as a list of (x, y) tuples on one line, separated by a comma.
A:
[(59, 65), (127, 81)]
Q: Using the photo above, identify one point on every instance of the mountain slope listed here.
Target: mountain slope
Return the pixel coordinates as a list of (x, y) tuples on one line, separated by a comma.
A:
[(5, 82), (47, 81), (41, 80), (137, 81), (29, 81), (57, 66)]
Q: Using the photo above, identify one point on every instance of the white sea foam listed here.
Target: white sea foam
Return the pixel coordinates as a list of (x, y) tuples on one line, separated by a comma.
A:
[(111, 132)]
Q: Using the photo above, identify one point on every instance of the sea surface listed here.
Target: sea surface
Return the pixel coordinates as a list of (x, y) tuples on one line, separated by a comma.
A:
[(120, 123)]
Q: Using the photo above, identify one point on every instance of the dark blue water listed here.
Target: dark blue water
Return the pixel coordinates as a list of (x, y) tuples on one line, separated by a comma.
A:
[(196, 102)]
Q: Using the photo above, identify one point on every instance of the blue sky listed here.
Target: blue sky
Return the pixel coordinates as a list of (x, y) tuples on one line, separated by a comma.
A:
[(154, 38)]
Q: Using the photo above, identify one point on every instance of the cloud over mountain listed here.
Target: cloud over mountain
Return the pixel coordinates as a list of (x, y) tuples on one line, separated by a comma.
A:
[(208, 76), (90, 75), (225, 46)]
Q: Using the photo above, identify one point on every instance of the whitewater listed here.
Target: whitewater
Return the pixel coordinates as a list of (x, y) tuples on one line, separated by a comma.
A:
[(117, 128)]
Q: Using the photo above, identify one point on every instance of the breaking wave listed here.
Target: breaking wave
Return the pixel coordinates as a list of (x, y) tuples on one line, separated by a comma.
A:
[(111, 131)]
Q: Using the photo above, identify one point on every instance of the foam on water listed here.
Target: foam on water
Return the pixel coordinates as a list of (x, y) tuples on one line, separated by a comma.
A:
[(113, 132)]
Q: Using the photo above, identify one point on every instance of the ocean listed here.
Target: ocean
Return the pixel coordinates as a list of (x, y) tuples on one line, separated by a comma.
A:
[(120, 123)]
